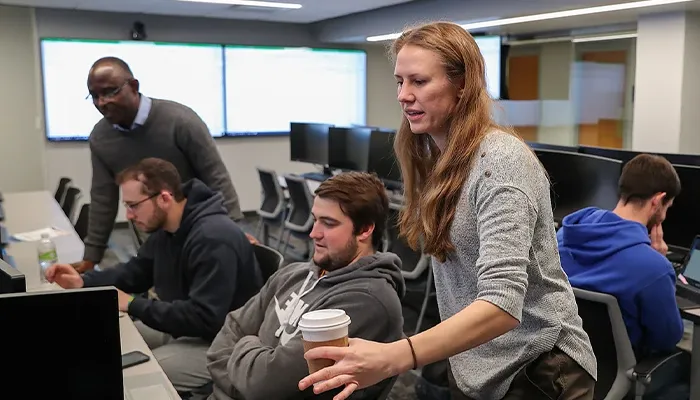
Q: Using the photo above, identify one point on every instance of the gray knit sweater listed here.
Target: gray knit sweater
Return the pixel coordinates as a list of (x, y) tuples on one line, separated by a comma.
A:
[(507, 255)]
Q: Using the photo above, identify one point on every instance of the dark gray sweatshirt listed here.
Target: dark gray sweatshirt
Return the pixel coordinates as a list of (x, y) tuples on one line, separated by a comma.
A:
[(258, 354), (173, 132), (201, 272)]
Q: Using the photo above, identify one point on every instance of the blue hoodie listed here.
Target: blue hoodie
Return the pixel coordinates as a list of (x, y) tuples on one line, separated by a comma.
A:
[(604, 253)]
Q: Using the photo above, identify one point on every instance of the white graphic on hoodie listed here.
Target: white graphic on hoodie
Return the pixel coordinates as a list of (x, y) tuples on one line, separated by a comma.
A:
[(295, 307)]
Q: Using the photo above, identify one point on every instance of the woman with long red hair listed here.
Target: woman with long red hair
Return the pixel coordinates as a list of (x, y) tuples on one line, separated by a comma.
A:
[(477, 200)]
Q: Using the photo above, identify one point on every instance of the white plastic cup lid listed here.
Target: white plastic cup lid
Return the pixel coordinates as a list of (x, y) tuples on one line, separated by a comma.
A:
[(321, 320)]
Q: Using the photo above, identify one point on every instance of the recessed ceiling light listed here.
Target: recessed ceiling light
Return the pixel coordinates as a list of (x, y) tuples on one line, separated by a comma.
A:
[(250, 3), (546, 16)]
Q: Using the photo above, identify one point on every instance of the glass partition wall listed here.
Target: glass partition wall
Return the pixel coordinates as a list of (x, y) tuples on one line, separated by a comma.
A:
[(571, 92)]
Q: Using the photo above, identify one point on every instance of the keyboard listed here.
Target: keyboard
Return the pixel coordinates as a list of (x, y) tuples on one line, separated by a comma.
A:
[(315, 176), (685, 304), (687, 296)]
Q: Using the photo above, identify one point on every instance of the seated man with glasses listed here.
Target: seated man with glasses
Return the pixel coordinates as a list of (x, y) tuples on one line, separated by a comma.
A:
[(135, 127), (197, 259)]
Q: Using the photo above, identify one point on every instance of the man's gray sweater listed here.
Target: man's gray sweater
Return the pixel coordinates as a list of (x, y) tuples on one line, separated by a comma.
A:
[(172, 132)]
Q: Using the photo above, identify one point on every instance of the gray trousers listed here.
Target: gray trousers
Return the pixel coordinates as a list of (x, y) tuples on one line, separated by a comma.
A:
[(184, 360)]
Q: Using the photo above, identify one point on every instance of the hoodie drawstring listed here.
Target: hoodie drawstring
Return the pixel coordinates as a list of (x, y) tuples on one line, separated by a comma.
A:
[(301, 293)]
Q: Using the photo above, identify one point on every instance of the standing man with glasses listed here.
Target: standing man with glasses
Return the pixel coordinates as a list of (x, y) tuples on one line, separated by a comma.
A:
[(135, 127), (198, 260)]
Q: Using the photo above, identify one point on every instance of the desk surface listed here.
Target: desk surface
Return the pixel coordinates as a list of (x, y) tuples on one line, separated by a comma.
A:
[(692, 314), (28, 211)]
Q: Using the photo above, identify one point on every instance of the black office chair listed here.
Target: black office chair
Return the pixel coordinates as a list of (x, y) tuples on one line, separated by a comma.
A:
[(269, 259), (272, 207), (81, 224), (299, 220), (387, 389), (136, 236), (70, 202), (416, 267), (618, 368), (63, 185)]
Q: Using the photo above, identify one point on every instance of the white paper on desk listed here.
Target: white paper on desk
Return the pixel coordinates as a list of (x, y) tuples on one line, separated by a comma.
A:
[(35, 236), (154, 392)]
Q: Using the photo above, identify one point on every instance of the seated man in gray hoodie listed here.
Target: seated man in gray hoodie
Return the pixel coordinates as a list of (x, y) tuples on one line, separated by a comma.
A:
[(258, 354)]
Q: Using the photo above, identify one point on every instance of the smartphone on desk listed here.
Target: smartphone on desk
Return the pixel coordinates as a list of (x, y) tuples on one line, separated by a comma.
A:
[(134, 358)]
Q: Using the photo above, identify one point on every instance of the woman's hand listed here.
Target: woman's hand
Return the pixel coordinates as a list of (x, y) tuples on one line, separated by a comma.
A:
[(360, 365)]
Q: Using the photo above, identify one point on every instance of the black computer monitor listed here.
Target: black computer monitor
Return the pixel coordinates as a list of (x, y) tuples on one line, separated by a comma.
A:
[(62, 344), (615, 154), (348, 148), (682, 159), (682, 222), (626, 155), (309, 143), (548, 146), (691, 267), (382, 159), (579, 181), (11, 279)]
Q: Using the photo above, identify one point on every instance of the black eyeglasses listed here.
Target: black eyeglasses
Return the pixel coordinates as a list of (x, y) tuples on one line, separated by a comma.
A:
[(110, 94), (133, 206)]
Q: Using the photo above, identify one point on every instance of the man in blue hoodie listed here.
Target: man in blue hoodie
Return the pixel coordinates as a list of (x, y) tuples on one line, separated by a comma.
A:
[(622, 253), (199, 262), (259, 355)]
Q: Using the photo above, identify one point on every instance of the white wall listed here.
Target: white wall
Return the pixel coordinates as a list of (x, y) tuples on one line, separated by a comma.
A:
[(382, 107), (22, 122), (21, 132), (690, 97), (661, 44)]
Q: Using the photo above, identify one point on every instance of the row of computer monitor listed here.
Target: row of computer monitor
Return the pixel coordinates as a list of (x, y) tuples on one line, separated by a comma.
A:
[(345, 148), (585, 176), (581, 176)]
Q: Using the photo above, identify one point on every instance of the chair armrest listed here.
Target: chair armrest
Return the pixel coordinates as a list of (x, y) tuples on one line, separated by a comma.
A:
[(647, 366)]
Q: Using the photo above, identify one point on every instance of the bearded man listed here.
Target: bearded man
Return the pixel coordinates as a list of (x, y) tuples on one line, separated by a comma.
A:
[(259, 352), (197, 260)]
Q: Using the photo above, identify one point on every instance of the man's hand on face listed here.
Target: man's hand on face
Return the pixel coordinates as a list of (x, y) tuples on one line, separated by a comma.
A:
[(657, 239)]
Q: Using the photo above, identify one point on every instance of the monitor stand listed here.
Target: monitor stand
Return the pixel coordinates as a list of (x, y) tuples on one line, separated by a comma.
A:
[(319, 176)]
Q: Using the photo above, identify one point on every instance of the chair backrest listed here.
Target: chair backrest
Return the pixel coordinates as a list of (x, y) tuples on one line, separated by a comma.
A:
[(413, 263), (63, 184), (135, 235), (269, 259), (81, 224), (384, 395), (299, 218), (272, 203), (70, 201), (602, 321)]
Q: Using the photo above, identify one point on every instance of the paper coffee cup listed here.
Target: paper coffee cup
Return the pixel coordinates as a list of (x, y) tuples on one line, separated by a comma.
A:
[(322, 328)]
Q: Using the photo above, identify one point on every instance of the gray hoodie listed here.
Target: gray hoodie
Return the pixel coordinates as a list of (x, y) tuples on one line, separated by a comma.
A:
[(258, 354)]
